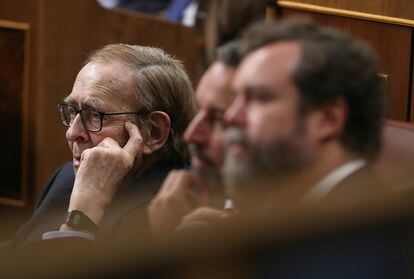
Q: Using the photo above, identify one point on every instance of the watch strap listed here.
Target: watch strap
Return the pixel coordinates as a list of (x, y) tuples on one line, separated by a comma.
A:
[(78, 220)]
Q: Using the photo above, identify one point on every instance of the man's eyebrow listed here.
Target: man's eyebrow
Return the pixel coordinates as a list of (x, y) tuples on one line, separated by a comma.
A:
[(259, 89), (215, 110), (250, 89), (93, 104), (90, 104), (68, 100)]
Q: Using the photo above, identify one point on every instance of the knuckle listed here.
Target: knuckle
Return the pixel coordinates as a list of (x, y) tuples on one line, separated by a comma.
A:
[(127, 163), (95, 153), (109, 140), (172, 199), (137, 141)]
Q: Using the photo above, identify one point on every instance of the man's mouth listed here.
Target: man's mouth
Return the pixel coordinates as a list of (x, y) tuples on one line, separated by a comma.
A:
[(237, 148), (236, 142), (199, 158)]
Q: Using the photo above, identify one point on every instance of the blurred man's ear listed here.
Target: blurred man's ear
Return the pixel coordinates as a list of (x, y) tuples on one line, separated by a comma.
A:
[(158, 130), (328, 120)]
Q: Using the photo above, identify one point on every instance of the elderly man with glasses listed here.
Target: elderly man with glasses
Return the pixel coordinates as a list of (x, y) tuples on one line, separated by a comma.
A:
[(126, 115)]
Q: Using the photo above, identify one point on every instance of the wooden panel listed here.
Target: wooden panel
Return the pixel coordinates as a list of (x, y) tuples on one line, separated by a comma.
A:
[(18, 10), (13, 112), (23, 11), (392, 8), (383, 38)]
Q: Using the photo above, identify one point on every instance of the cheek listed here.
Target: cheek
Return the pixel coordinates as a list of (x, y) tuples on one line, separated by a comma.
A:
[(119, 134), (266, 125), (70, 143)]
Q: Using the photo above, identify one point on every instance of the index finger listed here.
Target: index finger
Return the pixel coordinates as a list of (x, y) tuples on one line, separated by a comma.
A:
[(206, 214), (134, 143)]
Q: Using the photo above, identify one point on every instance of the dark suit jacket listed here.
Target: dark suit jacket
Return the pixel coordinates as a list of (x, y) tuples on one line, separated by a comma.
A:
[(364, 181), (126, 209)]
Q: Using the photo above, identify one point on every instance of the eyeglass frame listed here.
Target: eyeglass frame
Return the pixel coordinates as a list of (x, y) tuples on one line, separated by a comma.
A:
[(101, 115)]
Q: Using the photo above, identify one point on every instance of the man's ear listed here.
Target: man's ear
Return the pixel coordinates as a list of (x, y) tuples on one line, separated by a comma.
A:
[(328, 120), (158, 131)]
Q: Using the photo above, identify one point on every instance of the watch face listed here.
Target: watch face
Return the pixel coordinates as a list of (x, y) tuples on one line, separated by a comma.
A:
[(76, 219)]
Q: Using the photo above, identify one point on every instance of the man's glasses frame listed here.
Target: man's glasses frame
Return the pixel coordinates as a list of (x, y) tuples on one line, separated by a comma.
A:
[(85, 114)]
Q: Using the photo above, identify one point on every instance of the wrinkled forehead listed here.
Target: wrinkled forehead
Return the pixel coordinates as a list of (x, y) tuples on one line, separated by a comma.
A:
[(104, 85)]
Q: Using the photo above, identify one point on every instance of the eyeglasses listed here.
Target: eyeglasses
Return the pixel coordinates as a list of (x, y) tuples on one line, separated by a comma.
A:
[(91, 119)]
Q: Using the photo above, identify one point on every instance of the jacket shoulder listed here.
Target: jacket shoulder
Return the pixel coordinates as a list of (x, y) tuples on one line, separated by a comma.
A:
[(61, 181)]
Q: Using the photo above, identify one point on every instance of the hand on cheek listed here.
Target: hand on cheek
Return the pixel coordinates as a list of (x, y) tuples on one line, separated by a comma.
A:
[(101, 170)]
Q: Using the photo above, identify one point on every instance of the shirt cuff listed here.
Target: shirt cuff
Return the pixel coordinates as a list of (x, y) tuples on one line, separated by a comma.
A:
[(63, 234)]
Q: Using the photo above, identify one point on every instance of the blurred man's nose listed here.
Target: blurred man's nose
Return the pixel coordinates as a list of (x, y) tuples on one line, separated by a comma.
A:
[(198, 131), (235, 115)]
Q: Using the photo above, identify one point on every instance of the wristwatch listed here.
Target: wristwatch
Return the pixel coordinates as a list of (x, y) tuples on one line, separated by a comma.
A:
[(77, 220)]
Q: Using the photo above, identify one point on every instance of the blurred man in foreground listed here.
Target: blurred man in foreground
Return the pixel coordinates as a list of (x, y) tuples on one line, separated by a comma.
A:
[(300, 130), (185, 190), (126, 116), (306, 118)]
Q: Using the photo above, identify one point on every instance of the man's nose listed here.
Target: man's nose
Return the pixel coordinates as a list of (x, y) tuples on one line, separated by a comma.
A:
[(235, 114), (77, 131), (198, 130)]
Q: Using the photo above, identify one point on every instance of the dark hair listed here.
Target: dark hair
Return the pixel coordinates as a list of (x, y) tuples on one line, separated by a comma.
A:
[(227, 19), (230, 54), (333, 64)]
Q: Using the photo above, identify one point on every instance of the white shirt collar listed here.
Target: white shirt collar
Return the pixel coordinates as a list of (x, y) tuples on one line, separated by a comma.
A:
[(332, 179)]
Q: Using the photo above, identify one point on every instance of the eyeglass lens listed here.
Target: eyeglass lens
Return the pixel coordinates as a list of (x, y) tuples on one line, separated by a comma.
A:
[(90, 119)]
